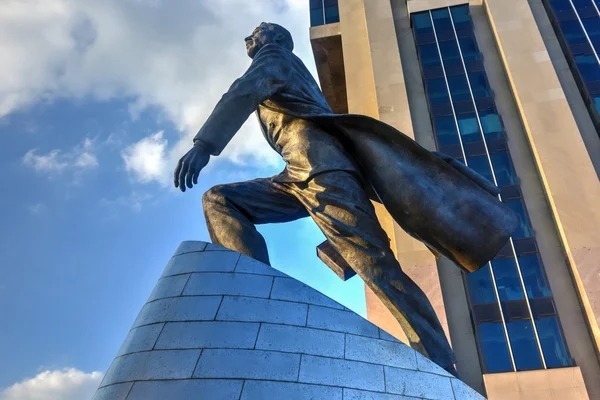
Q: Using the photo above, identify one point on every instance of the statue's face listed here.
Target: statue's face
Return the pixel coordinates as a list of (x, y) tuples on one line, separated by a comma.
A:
[(260, 37)]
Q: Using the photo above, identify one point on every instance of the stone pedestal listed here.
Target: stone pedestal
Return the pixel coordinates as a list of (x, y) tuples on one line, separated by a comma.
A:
[(222, 326)]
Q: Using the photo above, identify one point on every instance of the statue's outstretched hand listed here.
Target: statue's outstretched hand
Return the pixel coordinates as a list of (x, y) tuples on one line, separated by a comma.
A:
[(189, 167)]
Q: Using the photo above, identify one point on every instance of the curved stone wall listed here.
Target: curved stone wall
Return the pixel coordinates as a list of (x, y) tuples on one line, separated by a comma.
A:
[(222, 326)]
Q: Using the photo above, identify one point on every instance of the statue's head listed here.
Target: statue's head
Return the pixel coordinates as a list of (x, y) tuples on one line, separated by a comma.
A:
[(267, 33)]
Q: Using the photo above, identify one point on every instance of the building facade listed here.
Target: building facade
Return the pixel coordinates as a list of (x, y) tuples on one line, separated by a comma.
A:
[(511, 88)]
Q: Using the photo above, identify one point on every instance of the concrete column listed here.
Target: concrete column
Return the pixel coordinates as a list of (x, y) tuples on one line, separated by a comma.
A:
[(222, 326)]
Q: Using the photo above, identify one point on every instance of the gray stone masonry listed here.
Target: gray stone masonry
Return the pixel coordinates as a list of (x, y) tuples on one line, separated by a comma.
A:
[(221, 326)]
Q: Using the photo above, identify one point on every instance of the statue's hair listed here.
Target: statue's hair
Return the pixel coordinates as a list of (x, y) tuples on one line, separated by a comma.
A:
[(287, 40)]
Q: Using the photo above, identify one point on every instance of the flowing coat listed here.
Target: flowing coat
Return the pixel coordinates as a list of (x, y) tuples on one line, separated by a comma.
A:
[(450, 208)]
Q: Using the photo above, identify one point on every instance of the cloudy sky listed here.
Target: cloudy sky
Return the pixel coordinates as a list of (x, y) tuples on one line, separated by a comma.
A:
[(98, 99)]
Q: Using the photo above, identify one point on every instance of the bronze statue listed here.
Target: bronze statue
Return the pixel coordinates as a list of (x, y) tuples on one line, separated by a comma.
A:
[(335, 166)]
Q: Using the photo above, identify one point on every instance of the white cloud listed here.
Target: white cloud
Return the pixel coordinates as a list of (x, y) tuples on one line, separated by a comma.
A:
[(37, 208), (51, 162), (146, 158), (66, 384), (56, 161), (176, 56)]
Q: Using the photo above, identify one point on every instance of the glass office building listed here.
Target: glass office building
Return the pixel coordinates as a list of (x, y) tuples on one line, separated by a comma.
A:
[(510, 88)]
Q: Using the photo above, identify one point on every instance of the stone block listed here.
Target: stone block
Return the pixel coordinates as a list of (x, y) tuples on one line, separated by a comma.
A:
[(113, 392), (353, 394), (377, 351), (248, 364), (295, 339), (341, 321), (386, 336), (205, 261), (292, 290), (196, 335), (179, 309), (141, 339), (190, 246), (215, 283), (418, 384), (251, 266), (463, 392), (171, 286), (426, 365), (216, 247), (343, 373), (262, 310), (149, 365), (213, 389), (261, 390)]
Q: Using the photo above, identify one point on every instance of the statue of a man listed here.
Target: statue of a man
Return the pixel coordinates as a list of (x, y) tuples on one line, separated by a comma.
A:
[(324, 178)]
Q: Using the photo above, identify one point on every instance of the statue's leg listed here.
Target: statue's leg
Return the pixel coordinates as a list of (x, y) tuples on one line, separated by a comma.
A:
[(232, 210), (341, 208)]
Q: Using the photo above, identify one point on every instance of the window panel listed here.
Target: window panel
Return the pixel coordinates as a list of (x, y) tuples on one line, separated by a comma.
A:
[(552, 343), (481, 288), (491, 124), (332, 13), (421, 21), (561, 5), (459, 87), (460, 14), (445, 130), (507, 279), (429, 55), (441, 19), (524, 229), (481, 165), (533, 277), (450, 53), (316, 13), (572, 32), (523, 344), (505, 175), (469, 128), (588, 67), (437, 91), (469, 49), (479, 85), (494, 349)]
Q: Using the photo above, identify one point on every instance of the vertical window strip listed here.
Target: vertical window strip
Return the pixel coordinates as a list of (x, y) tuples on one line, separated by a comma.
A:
[(510, 352), (584, 30), (487, 152)]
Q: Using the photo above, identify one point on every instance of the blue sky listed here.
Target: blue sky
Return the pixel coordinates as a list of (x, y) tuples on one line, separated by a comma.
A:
[(97, 102)]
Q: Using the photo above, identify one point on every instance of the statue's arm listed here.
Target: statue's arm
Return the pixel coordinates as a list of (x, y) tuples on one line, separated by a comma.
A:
[(269, 72)]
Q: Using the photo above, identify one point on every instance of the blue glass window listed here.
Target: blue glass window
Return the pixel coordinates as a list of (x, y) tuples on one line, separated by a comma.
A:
[(481, 165), (316, 13), (533, 277), (596, 100), (481, 288), (332, 13), (450, 53), (561, 5), (421, 21), (572, 32), (441, 19), (469, 128), (507, 279), (524, 346), (479, 85), (460, 14), (491, 124), (469, 49), (445, 130), (552, 342), (437, 91), (429, 54), (459, 88), (588, 67), (505, 175), (494, 348), (524, 229)]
